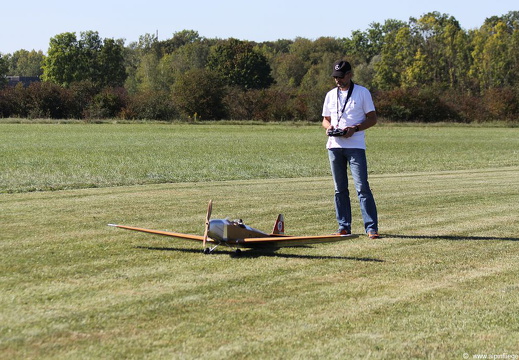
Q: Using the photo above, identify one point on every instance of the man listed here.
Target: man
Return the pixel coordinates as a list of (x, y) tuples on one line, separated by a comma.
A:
[(348, 111)]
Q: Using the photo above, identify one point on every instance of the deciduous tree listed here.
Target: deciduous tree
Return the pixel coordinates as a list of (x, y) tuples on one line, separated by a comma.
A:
[(4, 67), (239, 64), (199, 93), (88, 58), (26, 63)]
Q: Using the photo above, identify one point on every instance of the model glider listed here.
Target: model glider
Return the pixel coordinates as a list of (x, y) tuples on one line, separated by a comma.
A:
[(236, 234)]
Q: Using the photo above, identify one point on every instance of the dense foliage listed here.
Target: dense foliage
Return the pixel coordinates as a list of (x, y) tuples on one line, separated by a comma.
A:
[(428, 69)]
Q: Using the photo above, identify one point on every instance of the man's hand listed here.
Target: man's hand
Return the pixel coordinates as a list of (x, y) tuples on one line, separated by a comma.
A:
[(350, 130)]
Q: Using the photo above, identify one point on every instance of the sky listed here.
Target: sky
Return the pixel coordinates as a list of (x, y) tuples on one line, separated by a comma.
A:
[(30, 24)]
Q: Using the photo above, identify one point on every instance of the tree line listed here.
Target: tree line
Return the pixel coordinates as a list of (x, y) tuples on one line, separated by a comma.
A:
[(427, 69)]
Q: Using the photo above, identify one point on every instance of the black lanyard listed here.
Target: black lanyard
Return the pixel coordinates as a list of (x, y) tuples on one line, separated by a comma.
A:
[(350, 90)]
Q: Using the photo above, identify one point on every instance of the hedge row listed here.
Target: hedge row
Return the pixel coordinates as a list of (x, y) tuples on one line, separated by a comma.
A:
[(82, 101), (427, 105)]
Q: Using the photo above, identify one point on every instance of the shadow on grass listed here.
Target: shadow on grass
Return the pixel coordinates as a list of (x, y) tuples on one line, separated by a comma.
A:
[(451, 237), (255, 253)]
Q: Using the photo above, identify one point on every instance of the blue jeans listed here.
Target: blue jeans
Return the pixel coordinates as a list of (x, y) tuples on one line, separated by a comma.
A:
[(356, 158)]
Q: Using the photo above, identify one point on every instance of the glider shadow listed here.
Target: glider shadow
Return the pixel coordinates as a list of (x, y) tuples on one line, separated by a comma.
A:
[(256, 253)]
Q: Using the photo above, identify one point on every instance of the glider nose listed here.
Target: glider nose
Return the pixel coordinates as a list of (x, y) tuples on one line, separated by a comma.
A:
[(216, 229)]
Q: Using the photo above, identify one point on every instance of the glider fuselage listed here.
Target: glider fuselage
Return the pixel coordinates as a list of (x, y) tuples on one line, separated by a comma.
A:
[(227, 231)]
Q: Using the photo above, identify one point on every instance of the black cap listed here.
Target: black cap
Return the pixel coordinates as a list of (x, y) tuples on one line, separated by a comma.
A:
[(340, 68)]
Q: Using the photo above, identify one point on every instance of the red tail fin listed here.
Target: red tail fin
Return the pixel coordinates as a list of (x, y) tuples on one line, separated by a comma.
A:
[(279, 226)]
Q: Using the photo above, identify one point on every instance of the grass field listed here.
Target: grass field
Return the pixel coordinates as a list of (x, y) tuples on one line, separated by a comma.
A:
[(54, 157), (442, 283)]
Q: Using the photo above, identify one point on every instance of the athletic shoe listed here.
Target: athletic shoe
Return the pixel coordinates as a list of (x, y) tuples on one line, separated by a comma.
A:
[(373, 234), (343, 232)]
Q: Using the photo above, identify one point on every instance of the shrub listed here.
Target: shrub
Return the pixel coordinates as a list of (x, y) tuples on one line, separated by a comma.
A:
[(46, 100), (107, 104), (241, 104), (273, 104), (152, 105), (83, 93), (9, 102), (420, 105), (501, 104), (468, 107)]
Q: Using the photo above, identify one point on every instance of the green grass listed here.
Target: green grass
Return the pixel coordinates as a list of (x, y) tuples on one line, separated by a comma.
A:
[(53, 157), (441, 283)]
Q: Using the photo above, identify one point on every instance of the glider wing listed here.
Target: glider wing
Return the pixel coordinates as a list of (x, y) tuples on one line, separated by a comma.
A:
[(164, 233)]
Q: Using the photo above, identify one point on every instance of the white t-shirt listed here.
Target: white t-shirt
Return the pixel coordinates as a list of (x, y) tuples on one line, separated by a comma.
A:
[(359, 104)]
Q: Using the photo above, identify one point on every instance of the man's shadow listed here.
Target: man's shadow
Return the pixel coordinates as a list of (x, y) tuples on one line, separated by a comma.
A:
[(450, 237)]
